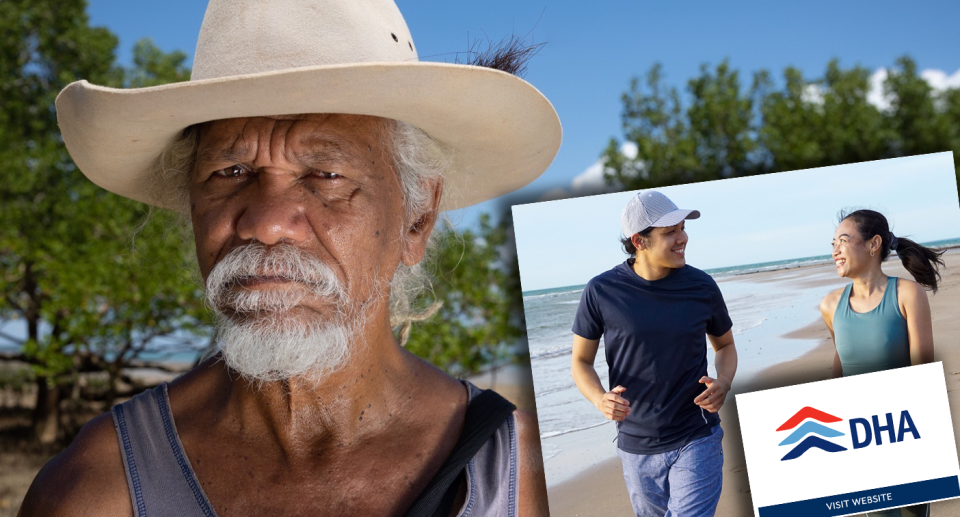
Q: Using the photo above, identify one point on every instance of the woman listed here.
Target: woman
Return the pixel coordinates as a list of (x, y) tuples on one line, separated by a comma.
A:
[(880, 322)]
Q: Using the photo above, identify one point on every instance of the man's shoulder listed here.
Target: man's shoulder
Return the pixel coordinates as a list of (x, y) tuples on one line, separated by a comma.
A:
[(85, 479), (698, 275), (609, 276)]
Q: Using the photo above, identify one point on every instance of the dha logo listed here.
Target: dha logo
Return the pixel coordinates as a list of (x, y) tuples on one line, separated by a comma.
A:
[(859, 427), (807, 428)]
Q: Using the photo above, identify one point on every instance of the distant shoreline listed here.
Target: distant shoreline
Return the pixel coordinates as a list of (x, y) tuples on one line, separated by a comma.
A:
[(749, 269)]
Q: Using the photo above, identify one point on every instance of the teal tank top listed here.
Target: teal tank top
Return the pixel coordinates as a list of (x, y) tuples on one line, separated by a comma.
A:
[(871, 341)]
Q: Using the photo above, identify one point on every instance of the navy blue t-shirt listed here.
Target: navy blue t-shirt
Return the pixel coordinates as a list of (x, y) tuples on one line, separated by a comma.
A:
[(656, 347)]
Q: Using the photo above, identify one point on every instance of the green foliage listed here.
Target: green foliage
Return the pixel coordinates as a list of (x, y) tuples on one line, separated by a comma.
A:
[(152, 66), (481, 316), (721, 130), (15, 378), (67, 268)]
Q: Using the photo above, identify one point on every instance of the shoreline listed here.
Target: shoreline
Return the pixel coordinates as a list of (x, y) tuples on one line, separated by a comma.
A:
[(818, 263)]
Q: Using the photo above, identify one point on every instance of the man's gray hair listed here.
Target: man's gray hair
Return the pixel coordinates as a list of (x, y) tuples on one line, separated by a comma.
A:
[(420, 163)]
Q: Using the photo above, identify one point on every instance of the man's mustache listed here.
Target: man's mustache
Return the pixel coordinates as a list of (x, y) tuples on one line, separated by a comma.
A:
[(281, 262)]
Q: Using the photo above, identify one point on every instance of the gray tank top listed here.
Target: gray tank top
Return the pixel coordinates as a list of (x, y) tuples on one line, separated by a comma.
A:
[(162, 482), (871, 341)]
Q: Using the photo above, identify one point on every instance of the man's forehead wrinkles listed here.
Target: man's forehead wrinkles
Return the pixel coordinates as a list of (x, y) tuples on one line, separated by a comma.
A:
[(320, 147), (275, 139), (236, 150)]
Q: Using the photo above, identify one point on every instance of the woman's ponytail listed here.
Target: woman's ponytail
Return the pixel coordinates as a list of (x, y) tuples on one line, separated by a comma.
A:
[(922, 262)]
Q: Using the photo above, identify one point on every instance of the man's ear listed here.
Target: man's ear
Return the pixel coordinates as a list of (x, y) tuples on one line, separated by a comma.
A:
[(417, 233), (637, 241)]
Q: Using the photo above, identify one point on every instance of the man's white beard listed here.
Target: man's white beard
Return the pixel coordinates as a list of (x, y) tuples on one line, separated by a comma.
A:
[(256, 332)]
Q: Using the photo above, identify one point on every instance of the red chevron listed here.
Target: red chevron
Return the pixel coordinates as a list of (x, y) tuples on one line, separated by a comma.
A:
[(808, 412)]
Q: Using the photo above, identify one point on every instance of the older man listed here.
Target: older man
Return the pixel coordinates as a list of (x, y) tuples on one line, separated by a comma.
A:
[(308, 229)]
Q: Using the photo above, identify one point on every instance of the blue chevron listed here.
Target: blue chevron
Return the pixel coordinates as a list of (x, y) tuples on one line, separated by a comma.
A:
[(810, 427), (810, 442)]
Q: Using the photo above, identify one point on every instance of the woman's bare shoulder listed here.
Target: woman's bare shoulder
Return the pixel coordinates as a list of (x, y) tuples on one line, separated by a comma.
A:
[(829, 303)]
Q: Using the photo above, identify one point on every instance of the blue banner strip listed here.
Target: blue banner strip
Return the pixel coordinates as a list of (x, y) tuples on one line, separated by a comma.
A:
[(868, 500)]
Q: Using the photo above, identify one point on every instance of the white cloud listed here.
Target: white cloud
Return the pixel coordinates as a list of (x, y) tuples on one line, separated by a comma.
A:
[(876, 96), (591, 180), (812, 93), (937, 79)]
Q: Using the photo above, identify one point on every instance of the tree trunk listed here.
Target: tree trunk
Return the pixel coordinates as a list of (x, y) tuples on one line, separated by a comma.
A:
[(46, 413)]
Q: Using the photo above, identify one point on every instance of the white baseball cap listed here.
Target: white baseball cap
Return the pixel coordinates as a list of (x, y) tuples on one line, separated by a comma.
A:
[(651, 208)]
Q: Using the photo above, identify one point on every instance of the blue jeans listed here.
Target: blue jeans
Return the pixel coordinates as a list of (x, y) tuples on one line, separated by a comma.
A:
[(682, 483)]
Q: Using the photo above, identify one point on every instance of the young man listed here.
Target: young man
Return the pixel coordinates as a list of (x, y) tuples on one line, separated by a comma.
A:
[(654, 312)]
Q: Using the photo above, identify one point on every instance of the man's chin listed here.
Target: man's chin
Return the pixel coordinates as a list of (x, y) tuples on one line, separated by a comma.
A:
[(283, 345)]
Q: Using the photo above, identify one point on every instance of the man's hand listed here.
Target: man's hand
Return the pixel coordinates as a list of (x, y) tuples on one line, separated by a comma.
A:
[(712, 398), (613, 406)]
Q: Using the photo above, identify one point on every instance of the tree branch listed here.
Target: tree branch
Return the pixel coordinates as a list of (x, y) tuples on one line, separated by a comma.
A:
[(12, 339)]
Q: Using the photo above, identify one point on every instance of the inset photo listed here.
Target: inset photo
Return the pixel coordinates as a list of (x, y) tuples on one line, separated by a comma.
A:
[(647, 311)]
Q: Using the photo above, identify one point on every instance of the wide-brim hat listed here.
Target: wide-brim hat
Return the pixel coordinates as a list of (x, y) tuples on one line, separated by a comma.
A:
[(290, 57)]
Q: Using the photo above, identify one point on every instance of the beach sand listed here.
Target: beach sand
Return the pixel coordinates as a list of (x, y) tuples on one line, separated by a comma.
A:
[(600, 490)]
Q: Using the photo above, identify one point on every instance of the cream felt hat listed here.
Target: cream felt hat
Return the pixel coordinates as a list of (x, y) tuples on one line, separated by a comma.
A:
[(285, 57)]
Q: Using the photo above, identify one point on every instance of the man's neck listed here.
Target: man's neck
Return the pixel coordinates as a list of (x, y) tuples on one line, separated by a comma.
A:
[(650, 272), (381, 386), (388, 419)]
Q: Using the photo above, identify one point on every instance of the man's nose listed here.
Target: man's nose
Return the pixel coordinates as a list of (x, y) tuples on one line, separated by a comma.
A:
[(275, 212)]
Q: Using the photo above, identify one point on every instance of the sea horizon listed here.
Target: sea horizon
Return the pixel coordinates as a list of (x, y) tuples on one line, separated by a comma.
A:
[(744, 269)]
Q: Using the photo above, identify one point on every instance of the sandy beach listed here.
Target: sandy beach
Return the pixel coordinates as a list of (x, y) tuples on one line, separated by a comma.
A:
[(600, 489)]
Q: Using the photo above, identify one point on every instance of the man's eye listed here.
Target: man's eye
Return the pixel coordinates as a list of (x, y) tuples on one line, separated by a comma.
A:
[(233, 171), (327, 175)]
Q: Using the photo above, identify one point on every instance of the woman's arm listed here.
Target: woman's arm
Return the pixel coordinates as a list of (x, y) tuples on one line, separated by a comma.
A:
[(828, 306), (916, 310)]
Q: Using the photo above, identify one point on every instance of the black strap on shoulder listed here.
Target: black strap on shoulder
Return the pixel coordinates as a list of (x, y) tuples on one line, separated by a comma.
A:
[(485, 414)]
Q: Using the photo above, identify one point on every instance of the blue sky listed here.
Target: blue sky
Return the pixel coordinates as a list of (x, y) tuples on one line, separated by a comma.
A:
[(593, 49), (744, 220)]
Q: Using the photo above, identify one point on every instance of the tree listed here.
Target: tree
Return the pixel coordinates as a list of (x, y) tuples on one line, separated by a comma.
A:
[(653, 119), (822, 122), (88, 301), (721, 118), (720, 131), (920, 127), (481, 316)]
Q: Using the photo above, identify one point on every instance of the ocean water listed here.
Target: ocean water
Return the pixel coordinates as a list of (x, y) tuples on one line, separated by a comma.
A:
[(762, 310)]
